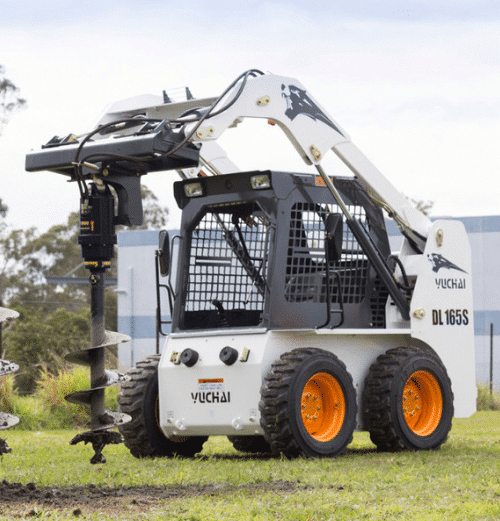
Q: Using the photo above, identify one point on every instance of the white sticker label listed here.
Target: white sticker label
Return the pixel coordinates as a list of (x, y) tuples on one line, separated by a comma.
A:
[(211, 384)]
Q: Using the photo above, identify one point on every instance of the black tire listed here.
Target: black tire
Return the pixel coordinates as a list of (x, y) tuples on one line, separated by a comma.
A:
[(407, 401), (139, 398), (288, 417), (250, 444)]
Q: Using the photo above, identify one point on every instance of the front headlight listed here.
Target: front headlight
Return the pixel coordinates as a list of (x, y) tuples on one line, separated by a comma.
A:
[(193, 189), (260, 182)]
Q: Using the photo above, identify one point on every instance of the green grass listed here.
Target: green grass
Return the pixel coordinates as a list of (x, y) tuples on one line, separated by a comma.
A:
[(459, 482), (487, 400), (47, 408)]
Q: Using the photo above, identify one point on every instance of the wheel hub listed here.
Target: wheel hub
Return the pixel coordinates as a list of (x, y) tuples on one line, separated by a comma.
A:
[(422, 403), (322, 407)]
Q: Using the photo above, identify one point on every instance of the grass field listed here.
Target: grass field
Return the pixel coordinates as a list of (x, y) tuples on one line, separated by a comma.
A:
[(459, 482)]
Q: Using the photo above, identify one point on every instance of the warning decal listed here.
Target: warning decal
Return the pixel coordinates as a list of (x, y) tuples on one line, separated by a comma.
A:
[(211, 384)]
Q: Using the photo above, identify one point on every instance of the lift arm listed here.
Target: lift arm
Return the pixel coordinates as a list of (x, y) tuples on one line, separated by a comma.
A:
[(285, 102), (176, 131)]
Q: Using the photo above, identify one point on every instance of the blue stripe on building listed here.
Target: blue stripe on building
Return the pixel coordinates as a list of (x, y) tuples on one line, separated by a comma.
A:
[(139, 326), (484, 224), (483, 321), (138, 238)]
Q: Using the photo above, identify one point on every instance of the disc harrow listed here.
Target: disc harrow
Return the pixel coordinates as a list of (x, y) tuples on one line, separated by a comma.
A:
[(7, 420)]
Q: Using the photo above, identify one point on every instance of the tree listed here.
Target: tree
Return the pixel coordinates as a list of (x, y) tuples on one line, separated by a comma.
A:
[(155, 216), (9, 102), (3, 211), (40, 340), (9, 99)]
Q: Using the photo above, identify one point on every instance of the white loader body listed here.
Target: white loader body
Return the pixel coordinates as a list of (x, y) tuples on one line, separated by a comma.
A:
[(212, 398)]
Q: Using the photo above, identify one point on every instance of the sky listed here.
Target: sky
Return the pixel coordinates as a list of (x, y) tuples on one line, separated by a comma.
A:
[(415, 84)]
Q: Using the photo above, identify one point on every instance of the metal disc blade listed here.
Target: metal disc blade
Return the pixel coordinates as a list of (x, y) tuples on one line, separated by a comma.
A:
[(7, 421), (83, 357), (111, 378), (112, 338), (7, 367), (112, 419), (79, 398), (115, 377), (7, 314)]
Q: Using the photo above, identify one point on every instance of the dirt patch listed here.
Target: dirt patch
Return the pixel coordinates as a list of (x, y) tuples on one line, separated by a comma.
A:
[(29, 500)]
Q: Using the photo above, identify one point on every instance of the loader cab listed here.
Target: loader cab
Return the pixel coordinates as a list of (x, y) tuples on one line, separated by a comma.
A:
[(257, 250)]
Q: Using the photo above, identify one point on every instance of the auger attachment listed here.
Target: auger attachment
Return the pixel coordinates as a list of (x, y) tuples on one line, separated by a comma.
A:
[(7, 420), (97, 239), (100, 378)]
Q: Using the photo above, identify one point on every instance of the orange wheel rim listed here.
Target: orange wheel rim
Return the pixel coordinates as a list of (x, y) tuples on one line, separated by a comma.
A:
[(322, 407), (422, 403)]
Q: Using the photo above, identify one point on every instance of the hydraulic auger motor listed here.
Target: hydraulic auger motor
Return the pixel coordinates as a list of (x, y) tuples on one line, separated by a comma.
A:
[(7, 420)]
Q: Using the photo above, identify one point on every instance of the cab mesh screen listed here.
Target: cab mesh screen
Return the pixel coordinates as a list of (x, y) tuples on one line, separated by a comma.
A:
[(227, 265), (306, 274)]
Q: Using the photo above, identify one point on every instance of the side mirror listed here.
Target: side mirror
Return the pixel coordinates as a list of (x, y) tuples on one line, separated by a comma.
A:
[(334, 229), (164, 253)]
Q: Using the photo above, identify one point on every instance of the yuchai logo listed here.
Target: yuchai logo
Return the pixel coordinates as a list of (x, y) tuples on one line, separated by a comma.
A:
[(450, 283), (438, 263), (211, 397)]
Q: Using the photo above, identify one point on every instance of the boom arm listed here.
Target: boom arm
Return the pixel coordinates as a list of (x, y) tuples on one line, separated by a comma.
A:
[(285, 102), (281, 100)]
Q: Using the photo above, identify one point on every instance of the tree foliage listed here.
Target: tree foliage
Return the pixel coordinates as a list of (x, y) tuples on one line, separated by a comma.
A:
[(40, 340), (10, 101)]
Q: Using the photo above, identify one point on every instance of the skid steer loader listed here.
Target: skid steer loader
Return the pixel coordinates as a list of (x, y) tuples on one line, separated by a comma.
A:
[(293, 324)]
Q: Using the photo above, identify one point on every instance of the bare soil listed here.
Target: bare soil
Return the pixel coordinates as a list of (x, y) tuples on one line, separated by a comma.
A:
[(18, 500)]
